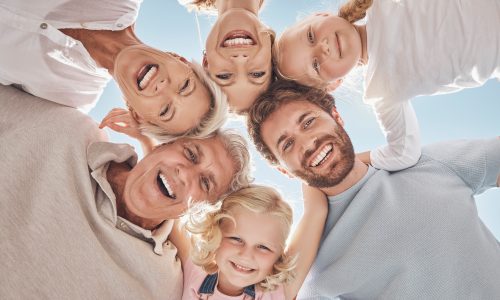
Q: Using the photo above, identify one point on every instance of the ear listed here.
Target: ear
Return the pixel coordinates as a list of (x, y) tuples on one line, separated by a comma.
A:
[(204, 60), (332, 85), (335, 114), (284, 172)]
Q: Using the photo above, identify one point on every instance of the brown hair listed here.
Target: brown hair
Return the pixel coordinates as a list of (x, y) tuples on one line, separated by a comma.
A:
[(279, 93), (354, 10)]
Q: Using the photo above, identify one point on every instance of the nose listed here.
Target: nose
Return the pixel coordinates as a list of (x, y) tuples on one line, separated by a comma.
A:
[(325, 47), (239, 56), (160, 85), (246, 252), (308, 144)]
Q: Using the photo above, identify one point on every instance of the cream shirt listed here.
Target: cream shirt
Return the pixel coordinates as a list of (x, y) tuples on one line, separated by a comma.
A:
[(424, 47), (37, 57)]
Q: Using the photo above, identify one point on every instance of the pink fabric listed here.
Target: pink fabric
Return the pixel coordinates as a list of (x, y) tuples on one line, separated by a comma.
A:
[(194, 276)]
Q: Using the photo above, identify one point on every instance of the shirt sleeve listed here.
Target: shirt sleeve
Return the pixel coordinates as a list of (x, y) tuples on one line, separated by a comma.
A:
[(399, 123), (477, 162)]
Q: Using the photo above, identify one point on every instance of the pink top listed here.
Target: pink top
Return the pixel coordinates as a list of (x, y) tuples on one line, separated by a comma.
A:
[(194, 276)]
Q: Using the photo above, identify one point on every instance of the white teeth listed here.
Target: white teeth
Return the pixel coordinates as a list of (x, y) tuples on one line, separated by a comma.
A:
[(167, 186), (238, 42), (242, 268), (145, 80), (322, 155)]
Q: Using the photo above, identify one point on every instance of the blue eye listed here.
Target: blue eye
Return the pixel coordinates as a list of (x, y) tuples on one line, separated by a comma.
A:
[(264, 248), (257, 74)]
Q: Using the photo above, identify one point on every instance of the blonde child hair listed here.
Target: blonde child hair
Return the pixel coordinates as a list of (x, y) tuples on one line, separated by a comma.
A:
[(203, 223)]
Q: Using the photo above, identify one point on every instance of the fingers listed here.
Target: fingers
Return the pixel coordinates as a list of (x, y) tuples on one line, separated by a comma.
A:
[(116, 112)]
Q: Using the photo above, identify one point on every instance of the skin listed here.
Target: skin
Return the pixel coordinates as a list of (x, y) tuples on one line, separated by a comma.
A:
[(322, 48), (298, 131), (195, 169), (174, 99), (243, 71), (241, 244)]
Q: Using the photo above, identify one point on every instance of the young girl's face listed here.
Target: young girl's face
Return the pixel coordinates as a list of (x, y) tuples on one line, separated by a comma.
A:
[(319, 49), (248, 250)]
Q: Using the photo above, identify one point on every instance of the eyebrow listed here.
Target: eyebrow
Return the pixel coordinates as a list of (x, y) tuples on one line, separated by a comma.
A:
[(299, 120)]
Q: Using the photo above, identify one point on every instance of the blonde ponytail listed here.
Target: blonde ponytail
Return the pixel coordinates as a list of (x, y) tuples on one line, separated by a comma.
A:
[(354, 10)]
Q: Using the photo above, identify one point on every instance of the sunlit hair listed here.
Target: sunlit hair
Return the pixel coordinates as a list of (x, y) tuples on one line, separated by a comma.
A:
[(279, 93), (237, 148), (205, 5), (212, 120), (352, 11), (203, 221)]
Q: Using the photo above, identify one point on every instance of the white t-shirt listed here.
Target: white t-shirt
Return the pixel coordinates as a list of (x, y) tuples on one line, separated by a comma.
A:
[(424, 47), (43, 61)]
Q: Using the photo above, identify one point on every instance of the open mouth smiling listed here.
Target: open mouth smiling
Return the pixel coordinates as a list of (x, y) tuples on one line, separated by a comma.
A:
[(238, 39), (146, 73), (164, 186), (241, 268), (325, 152)]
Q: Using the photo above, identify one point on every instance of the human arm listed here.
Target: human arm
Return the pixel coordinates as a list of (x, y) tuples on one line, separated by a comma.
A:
[(306, 237), (399, 123), (180, 239), (364, 157), (120, 120)]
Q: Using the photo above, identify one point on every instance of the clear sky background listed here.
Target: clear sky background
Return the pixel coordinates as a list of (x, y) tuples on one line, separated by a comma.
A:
[(472, 113)]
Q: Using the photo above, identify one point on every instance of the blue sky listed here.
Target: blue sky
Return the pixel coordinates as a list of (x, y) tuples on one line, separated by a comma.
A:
[(471, 113)]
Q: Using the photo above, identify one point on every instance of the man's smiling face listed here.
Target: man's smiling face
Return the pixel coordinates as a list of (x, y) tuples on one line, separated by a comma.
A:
[(309, 143), (160, 185)]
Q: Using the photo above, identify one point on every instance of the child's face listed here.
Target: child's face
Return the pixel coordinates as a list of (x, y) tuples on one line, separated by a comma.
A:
[(320, 49), (161, 88), (248, 250)]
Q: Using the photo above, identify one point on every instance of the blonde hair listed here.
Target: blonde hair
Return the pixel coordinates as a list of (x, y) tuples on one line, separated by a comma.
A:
[(204, 5), (212, 120), (203, 222), (354, 10)]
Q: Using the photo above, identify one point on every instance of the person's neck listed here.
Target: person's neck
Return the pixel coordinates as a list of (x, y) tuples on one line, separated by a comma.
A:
[(250, 5), (361, 29), (356, 174), (104, 45), (117, 176)]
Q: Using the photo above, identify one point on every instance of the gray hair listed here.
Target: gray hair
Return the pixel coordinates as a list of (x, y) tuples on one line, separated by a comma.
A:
[(237, 148), (214, 119)]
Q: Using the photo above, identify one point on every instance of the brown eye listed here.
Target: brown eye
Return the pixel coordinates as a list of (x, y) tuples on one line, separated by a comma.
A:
[(257, 74), (224, 76), (185, 85), (310, 35)]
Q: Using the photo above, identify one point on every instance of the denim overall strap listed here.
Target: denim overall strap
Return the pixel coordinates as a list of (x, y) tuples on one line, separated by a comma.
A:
[(207, 287)]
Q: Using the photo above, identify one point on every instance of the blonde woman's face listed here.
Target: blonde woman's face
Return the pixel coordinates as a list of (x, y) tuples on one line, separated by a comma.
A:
[(248, 250), (161, 88), (321, 48), (238, 57)]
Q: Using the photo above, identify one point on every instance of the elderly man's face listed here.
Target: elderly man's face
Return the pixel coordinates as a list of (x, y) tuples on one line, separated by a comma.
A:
[(160, 185), (309, 143)]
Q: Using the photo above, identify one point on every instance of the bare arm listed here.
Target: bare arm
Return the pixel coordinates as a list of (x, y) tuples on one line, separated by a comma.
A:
[(306, 237), (181, 241), (120, 120), (364, 157)]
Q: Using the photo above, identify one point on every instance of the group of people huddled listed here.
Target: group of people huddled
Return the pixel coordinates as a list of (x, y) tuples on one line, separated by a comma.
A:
[(82, 218)]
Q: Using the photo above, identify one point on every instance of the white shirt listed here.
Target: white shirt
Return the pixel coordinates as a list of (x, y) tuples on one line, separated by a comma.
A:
[(424, 47), (43, 61)]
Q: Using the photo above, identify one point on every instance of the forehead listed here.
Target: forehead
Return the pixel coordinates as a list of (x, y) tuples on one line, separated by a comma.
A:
[(285, 118), (271, 228)]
